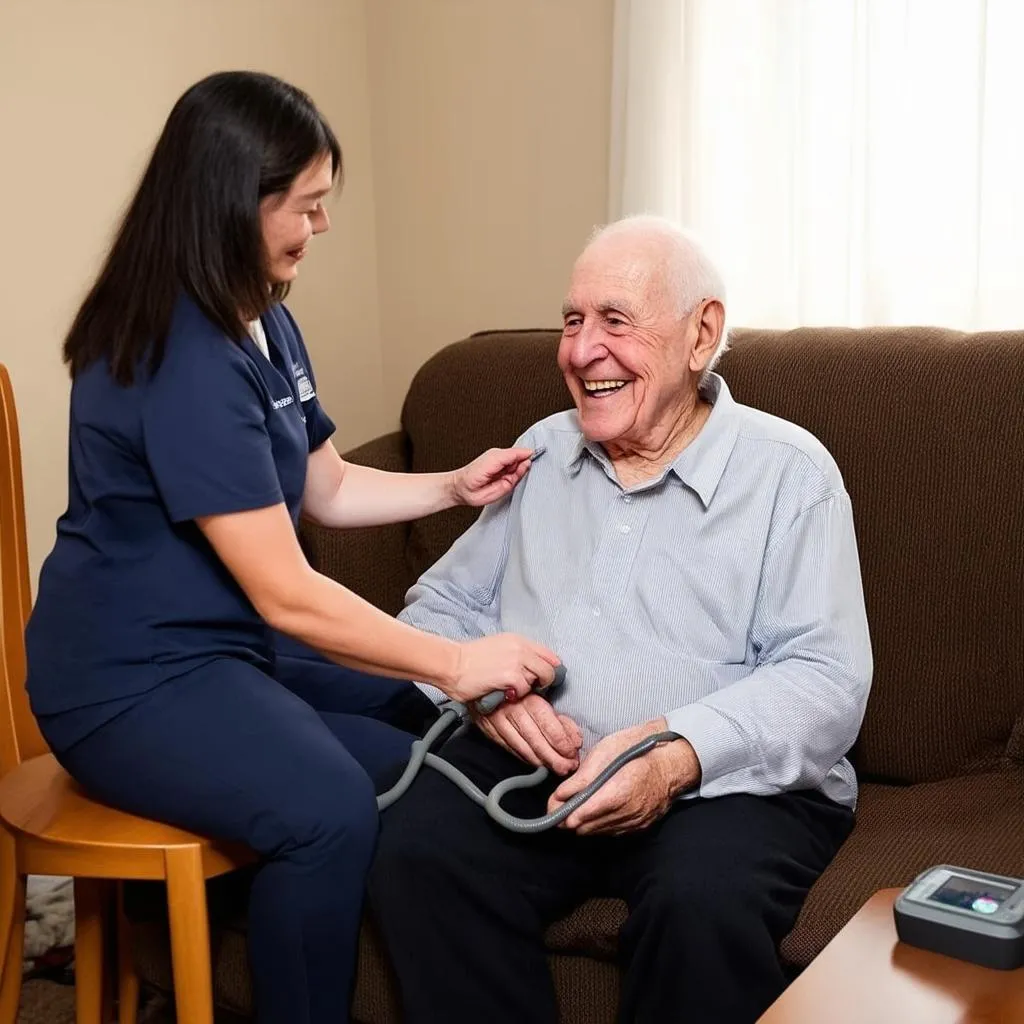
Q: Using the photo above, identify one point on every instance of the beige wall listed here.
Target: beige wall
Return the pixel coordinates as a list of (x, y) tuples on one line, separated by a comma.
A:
[(84, 89), (490, 122), (475, 135)]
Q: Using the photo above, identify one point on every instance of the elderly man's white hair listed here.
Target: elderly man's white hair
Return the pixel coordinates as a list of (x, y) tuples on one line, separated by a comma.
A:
[(691, 273)]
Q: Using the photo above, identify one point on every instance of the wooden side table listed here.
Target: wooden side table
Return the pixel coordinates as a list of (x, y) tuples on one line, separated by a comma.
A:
[(866, 976)]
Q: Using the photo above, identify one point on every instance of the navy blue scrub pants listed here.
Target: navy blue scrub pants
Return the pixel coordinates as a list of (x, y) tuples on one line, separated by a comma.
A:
[(229, 752)]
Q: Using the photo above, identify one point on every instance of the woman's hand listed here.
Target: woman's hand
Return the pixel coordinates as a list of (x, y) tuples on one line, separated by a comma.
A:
[(502, 662), (490, 476)]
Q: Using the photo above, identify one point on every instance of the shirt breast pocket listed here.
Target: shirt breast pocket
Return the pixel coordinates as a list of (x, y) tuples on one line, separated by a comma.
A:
[(694, 608)]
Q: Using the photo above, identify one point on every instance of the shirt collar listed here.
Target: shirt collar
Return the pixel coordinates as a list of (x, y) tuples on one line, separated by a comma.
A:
[(701, 464)]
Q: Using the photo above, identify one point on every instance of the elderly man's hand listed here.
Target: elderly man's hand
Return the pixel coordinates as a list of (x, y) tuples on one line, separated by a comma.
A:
[(638, 794), (531, 729)]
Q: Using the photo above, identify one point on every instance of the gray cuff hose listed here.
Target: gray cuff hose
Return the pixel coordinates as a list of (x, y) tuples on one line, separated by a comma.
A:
[(491, 802)]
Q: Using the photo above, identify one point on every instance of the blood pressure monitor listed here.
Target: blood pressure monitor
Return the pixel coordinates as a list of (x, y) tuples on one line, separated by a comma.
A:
[(970, 915)]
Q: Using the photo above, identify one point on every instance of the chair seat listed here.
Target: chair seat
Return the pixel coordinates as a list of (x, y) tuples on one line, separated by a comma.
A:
[(62, 830)]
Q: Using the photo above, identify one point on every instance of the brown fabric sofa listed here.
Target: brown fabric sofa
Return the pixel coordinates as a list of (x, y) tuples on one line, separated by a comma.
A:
[(928, 429)]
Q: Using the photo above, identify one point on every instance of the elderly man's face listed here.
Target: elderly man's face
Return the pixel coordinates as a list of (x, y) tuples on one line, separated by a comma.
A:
[(631, 361)]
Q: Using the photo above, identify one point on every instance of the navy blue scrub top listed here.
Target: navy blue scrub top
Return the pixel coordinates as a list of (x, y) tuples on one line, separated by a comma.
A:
[(132, 595)]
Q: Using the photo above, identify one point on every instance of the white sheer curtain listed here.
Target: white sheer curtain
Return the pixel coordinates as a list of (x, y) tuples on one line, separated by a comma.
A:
[(846, 161)]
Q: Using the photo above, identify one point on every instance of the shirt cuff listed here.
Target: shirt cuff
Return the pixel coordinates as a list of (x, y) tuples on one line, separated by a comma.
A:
[(720, 748), (432, 693)]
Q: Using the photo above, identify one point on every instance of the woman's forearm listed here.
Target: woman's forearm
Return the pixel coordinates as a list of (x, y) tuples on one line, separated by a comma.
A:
[(373, 497), (260, 550), (340, 494), (351, 631)]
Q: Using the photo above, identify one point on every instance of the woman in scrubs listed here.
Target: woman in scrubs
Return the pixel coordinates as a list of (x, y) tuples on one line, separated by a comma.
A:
[(172, 648)]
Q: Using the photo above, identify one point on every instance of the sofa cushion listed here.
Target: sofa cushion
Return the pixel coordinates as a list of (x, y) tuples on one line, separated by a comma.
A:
[(927, 427), (976, 821)]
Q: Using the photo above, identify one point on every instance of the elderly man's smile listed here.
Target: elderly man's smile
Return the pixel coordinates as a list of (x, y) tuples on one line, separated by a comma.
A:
[(603, 388)]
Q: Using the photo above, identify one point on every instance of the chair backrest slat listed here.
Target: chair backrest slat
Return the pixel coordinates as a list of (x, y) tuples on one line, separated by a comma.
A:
[(20, 738)]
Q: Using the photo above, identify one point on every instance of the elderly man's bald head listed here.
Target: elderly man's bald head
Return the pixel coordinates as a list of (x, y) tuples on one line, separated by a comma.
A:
[(670, 259)]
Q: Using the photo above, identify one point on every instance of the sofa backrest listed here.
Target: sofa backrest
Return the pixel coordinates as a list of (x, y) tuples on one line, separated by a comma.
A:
[(927, 427)]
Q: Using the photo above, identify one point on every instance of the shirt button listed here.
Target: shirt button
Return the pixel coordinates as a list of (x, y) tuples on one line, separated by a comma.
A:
[(596, 611), (623, 528), (627, 498)]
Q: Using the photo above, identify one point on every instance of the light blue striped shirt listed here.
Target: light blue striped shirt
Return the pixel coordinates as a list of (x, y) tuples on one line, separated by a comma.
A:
[(725, 594)]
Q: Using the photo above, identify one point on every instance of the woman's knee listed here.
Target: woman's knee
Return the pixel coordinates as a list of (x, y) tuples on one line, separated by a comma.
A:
[(335, 812)]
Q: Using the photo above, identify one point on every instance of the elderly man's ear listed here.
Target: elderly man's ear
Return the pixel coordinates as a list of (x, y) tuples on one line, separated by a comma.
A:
[(710, 324)]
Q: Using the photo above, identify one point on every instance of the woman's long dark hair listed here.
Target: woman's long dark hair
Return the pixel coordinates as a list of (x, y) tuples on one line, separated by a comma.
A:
[(193, 226)]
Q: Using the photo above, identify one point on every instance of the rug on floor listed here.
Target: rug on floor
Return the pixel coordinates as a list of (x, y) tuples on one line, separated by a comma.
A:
[(49, 917), (47, 1002)]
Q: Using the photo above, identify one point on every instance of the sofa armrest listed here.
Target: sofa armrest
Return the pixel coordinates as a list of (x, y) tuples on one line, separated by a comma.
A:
[(389, 451), (370, 561)]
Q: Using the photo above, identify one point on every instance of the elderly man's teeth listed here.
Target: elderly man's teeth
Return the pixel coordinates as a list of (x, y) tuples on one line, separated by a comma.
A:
[(603, 385)]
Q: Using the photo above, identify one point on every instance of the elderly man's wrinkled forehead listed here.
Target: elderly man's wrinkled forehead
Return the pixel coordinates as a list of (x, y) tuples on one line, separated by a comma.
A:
[(635, 263)]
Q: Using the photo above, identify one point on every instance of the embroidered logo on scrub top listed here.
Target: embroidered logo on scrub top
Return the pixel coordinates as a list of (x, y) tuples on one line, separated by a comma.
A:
[(306, 391)]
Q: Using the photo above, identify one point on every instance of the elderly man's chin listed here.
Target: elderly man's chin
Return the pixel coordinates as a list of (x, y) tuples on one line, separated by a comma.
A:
[(606, 419)]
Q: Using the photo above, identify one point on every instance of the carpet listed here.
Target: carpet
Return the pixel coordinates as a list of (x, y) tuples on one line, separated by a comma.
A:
[(48, 1002), (49, 941)]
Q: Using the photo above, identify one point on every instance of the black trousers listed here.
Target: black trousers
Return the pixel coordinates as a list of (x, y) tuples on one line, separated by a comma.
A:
[(712, 889)]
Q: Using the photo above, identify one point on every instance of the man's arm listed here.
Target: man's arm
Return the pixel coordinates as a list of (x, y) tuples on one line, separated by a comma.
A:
[(458, 596), (780, 728), (787, 723)]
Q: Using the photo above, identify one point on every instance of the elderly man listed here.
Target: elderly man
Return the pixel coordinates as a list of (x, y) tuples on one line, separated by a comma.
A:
[(693, 562)]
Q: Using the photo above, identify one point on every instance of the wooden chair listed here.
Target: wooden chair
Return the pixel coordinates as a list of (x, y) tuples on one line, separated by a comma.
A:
[(48, 826)]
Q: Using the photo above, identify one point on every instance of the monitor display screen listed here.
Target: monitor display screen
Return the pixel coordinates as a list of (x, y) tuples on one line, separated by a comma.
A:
[(972, 894)]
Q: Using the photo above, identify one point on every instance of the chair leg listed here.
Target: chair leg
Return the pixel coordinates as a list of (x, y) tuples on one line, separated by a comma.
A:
[(12, 929), (109, 895), (8, 885), (127, 978), (89, 952), (190, 935)]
